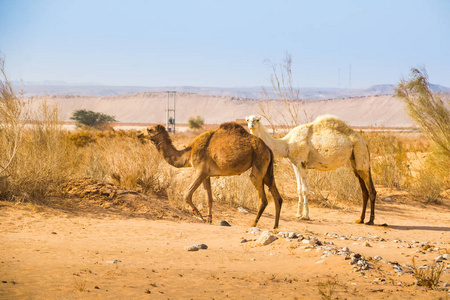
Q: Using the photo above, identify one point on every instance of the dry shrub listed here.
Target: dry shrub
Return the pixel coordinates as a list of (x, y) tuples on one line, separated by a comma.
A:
[(35, 157), (433, 178), (43, 161), (122, 159), (236, 190), (82, 138), (429, 276), (389, 160)]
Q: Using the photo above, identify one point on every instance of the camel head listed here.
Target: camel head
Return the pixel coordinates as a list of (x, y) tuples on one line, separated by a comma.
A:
[(253, 123), (157, 134)]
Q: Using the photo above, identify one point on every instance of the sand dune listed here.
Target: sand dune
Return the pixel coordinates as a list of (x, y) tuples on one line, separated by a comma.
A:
[(384, 110)]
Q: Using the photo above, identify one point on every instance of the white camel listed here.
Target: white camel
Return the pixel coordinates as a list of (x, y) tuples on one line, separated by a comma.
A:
[(325, 144)]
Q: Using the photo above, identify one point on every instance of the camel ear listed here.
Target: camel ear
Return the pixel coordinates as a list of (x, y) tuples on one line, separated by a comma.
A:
[(160, 128)]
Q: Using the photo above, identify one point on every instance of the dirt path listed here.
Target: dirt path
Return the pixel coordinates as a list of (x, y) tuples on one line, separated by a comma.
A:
[(48, 253)]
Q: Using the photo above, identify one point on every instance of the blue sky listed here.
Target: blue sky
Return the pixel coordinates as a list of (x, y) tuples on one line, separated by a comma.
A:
[(224, 43)]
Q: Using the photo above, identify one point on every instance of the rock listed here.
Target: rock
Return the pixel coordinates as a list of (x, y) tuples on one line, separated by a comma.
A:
[(446, 256), (244, 241), (254, 229), (114, 261), (378, 257), (224, 223), (191, 248), (201, 246), (242, 210), (196, 247), (446, 284), (345, 249), (367, 244), (292, 235), (265, 238)]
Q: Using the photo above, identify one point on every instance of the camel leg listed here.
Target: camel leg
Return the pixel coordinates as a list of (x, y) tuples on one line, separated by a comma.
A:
[(258, 183), (299, 191), (269, 180), (302, 191), (199, 178), (207, 186), (368, 192)]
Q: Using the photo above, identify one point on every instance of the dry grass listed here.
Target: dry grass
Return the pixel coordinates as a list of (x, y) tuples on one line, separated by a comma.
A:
[(430, 276)]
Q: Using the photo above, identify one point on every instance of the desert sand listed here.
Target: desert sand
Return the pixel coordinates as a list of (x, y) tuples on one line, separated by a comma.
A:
[(80, 248)]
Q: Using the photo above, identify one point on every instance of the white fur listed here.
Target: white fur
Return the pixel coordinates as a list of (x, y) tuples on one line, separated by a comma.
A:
[(325, 144)]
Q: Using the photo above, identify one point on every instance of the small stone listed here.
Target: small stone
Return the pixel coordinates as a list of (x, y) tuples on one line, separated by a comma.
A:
[(378, 257), (191, 248), (367, 244), (242, 210), (224, 223), (253, 229), (446, 256), (114, 261), (201, 246), (265, 238), (244, 241), (292, 235), (345, 249), (446, 284)]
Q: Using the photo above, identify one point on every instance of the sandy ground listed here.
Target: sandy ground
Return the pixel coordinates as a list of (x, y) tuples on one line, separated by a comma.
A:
[(80, 250)]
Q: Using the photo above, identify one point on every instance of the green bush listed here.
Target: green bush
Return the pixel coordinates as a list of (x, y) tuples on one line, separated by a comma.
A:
[(196, 123), (92, 119)]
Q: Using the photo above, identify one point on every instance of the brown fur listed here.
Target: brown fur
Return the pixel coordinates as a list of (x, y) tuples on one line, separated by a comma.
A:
[(225, 151)]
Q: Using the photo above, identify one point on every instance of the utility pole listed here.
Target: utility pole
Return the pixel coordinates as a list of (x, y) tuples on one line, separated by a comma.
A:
[(170, 112)]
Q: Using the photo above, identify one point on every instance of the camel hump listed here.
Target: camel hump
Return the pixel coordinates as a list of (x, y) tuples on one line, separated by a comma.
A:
[(233, 126), (332, 122)]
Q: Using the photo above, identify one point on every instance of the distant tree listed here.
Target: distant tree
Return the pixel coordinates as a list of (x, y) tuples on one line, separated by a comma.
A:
[(92, 119), (196, 123)]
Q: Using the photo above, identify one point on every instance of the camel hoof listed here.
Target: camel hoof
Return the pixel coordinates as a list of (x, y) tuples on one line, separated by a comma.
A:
[(359, 221), (370, 223), (298, 215), (305, 218)]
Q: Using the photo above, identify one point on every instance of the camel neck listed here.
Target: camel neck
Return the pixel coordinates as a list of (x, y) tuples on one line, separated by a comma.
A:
[(174, 157), (278, 146)]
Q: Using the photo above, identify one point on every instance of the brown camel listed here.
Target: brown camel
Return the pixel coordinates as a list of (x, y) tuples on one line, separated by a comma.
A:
[(225, 151)]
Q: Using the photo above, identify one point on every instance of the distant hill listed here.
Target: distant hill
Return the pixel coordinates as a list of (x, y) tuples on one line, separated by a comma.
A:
[(57, 88), (150, 107)]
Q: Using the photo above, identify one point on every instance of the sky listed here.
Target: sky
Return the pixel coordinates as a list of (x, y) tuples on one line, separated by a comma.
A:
[(346, 44)]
